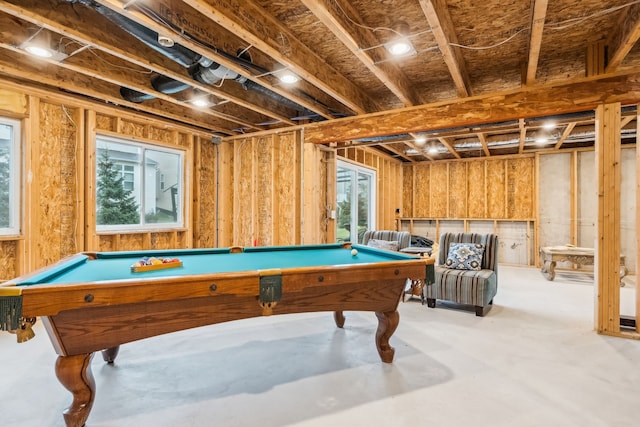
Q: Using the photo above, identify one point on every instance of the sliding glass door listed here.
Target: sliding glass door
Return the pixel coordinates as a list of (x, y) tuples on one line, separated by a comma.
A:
[(356, 189)]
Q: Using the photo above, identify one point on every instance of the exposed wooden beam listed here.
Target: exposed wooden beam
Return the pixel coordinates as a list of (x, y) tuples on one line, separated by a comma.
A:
[(332, 15), (483, 141), (626, 120), (535, 41), (567, 131), (99, 71), (72, 22), (440, 21), (234, 93), (624, 37), (57, 77), (255, 25), (447, 143), (529, 101)]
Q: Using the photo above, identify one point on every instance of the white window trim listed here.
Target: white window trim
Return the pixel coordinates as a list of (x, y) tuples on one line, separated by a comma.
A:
[(15, 197), (180, 224)]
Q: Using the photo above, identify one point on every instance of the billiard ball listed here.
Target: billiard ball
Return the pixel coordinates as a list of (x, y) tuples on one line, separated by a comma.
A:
[(354, 252)]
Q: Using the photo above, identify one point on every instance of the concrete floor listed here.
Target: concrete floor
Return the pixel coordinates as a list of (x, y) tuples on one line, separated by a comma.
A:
[(534, 360)]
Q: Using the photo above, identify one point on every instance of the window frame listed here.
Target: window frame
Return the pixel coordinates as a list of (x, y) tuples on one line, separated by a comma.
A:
[(143, 146), (15, 179)]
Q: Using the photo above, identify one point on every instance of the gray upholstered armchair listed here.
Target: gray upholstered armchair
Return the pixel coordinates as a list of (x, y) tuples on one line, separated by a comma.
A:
[(402, 237), (474, 284)]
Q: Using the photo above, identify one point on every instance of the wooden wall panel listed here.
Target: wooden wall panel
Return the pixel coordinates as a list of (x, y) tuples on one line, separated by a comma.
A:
[(57, 191), (422, 193), (496, 189), (163, 240), (408, 192), (266, 194), (205, 205), (133, 129), (439, 190), (132, 242), (14, 102), (287, 188), (458, 190), (8, 255), (107, 123), (163, 135), (476, 190), (225, 195), (107, 243), (243, 188), (520, 188)]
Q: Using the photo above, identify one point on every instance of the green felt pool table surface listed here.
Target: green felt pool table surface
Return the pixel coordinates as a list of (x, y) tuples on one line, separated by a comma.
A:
[(117, 265)]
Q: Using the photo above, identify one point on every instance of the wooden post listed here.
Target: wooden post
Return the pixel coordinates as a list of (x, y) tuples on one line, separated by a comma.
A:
[(607, 251), (574, 198), (637, 224)]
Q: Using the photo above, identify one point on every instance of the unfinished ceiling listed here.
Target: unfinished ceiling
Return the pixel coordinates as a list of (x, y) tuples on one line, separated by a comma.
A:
[(161, 56)]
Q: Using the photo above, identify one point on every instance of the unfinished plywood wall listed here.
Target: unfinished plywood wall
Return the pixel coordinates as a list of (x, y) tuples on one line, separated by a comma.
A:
[(390, 178), (8, 259), (265, 189), (318, 195), (56, 219), (486, 188), (205, 206)]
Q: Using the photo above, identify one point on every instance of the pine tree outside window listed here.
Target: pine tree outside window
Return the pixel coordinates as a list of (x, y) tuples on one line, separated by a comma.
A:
[(129, 195), (10, 161)]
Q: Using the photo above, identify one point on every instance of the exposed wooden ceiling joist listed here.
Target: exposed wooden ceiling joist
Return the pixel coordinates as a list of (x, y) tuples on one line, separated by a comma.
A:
[(624, 38), (438, 15), (449, 146), (535, 40), (70, 23), (255, 25), (12, 64), (332, 14), (483, 141), (565, 134)]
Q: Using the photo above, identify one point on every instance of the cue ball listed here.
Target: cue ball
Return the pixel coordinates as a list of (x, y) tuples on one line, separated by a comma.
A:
[(354, 252)]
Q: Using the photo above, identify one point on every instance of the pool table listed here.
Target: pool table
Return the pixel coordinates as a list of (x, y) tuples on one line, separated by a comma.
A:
[(95, 301)]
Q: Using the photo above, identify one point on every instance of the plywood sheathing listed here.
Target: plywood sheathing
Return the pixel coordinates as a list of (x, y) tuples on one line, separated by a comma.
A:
[(8, 256), (57, 190), (480, 189)]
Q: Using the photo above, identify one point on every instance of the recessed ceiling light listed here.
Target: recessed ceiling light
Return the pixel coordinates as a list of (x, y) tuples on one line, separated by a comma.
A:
[(39, 51), (420, 140), (549, 125), (399, 47), (288, 77), (200, 102), (39, 44), (433, 150), (542, 140)]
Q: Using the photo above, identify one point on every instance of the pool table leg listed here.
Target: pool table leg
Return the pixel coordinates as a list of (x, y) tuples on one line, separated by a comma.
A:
[(109, 355), (74, 372), (387, 324), (338, 316)]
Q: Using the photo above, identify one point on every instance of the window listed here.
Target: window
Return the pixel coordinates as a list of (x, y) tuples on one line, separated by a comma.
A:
[(128, 183), (355, 201), (10, 161)]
